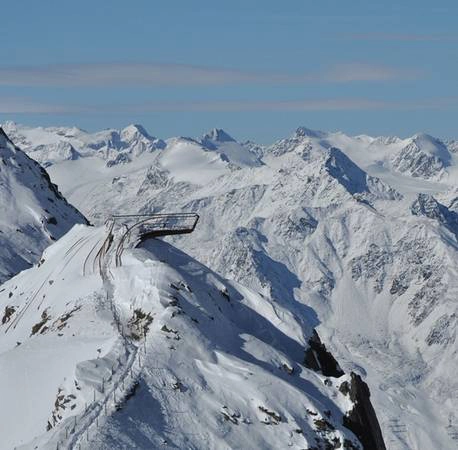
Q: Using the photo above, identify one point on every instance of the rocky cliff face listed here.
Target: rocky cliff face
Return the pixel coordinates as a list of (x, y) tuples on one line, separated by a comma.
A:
[(362, 419), (319, 359)]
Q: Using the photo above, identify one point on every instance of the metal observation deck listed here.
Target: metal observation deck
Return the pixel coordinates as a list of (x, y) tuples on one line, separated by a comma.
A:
[(139, 227)]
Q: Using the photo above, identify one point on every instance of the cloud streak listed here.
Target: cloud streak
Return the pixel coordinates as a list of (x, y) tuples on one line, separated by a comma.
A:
[(21, 106), (398, 37), (131, 74), (26, 106)]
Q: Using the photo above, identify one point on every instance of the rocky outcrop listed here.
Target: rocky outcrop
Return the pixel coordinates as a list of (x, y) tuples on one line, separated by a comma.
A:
[(319, 359), (426, 205), (361, 419)]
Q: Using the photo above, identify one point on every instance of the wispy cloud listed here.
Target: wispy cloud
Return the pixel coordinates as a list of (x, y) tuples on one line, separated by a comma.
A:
[(21, 106), (412, 37), (26, 106), (130, 74), (340, 104), (348, 72)]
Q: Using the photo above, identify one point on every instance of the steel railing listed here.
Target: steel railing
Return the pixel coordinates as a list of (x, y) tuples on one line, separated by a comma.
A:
[(154, 225)]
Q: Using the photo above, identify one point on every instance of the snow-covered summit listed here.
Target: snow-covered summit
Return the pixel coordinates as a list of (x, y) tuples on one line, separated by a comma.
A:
[(217, 135), (136, 140), (432, 146), (307, 132), (424, 157), (134, 131), (33, 212), (230, 150)]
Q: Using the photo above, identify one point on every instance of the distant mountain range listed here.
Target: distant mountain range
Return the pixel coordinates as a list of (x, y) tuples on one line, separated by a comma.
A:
[(358, 233)]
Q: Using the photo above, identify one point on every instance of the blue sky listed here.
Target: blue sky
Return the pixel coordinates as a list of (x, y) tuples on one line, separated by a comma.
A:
[(256, 69)]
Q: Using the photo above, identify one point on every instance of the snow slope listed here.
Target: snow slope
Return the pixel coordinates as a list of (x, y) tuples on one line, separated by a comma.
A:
[(33, 212), (126, 359), (360, 231)]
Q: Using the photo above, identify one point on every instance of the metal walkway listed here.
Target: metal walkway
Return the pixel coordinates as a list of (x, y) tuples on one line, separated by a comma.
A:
[(139, 227)]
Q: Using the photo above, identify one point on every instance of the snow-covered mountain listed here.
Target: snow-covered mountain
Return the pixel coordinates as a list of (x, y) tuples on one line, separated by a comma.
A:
[(424, 157), (33, 212), (229, 149), (162, 352), (56, 144), (359, 231)]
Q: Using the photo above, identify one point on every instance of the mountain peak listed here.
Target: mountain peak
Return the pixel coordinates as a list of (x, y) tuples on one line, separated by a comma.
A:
[(7, 147), (3, 137), (217, 135), (424, 156), (307, 132), (133, 130), (430, 144)]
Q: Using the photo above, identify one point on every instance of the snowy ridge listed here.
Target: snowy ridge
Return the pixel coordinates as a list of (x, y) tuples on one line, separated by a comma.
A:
[(130, 356)]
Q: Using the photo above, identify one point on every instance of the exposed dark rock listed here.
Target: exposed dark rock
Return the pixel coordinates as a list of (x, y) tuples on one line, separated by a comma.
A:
[(372, 265), (39, 326), (273, 418), (139, 324), (362, 419), (344, 388), (443, 330), (51, 220), (9, 311), (319, 359), (426, 205), (323, 425), (121, 158)]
